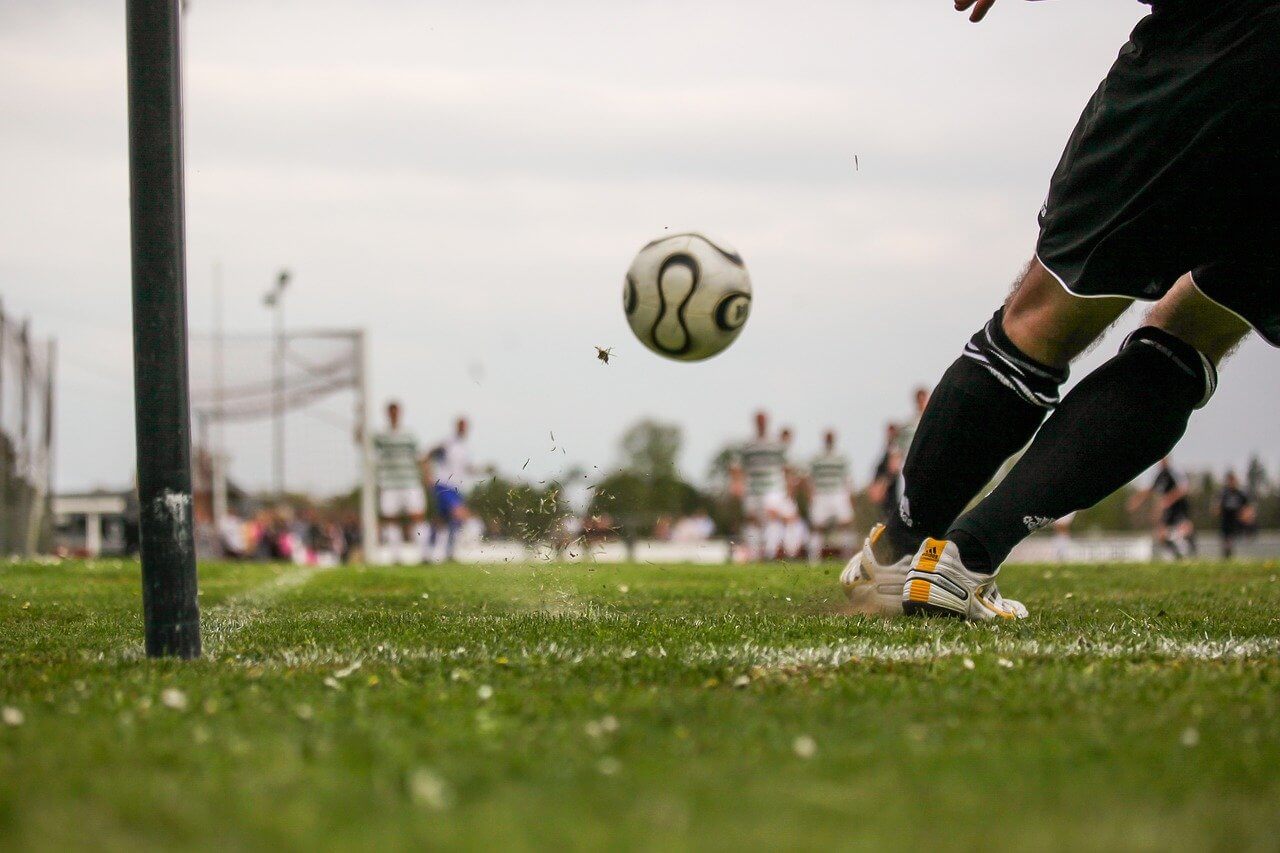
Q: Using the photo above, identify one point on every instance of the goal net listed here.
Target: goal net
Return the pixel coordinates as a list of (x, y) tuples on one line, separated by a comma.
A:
[(26, 437), (275, 416)]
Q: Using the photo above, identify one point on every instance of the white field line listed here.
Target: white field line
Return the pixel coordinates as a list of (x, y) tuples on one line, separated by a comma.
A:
[(223, 622), (745, 655)]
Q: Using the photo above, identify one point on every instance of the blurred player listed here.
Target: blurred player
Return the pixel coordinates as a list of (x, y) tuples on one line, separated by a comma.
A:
[(402, 503), (795, 532), (885, 489), (1137, 209), (1174, 528), (920, 400), (1062, 537), (758, 476), (451, 472), (1235, 513), (830, 498)]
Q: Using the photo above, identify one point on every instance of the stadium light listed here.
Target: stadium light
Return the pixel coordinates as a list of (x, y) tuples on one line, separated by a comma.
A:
[(275, 300), (162, 409)]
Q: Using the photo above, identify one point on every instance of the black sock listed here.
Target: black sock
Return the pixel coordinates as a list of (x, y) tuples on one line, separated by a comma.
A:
[(1115, 424), (986, 408)]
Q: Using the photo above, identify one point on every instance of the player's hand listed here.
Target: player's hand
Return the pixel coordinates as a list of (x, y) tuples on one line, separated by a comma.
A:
[(980, 8)]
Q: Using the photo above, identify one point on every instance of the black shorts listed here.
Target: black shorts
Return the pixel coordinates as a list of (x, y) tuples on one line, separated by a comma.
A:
[(1174, 167)]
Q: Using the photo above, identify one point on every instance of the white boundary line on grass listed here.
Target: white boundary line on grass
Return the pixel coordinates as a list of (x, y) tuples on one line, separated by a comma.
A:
[(222, 622), (794, 657)]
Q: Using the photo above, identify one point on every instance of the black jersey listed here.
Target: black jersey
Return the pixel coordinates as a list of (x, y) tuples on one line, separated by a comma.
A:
[(1231, 506), (892, 494), (1167, 482)]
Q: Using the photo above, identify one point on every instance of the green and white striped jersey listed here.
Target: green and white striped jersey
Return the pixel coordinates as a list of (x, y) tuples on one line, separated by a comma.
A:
[(765, 464), (830, 474), (906, 434), (395, 460)]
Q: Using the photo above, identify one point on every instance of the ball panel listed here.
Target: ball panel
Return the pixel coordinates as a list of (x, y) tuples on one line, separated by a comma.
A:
[(729, 254), (687, 297), (630, 298), (733, 311), (677, 282)]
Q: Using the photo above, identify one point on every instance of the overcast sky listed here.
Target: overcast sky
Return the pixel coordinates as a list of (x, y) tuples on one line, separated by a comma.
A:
[(469, 181)]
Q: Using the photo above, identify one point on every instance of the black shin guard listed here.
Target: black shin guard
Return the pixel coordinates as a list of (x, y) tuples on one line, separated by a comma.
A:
[(1115, 424), (986, 408)]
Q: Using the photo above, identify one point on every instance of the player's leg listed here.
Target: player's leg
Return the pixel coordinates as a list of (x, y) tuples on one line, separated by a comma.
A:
[(818, 537), (392, 534), (1163, 541), (1116, 423), (390, 509), (752, 528), (795, 533), (1190, 543), (842, 530), (774, 529), (990, 402), (416, 530), (455, 514), (819, 528)]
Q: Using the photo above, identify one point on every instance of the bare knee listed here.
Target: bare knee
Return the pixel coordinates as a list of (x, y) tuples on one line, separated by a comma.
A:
[(1051, 325), (1193, 318)]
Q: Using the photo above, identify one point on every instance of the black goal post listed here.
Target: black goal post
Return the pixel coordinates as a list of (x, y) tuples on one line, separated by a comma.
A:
[(161, 405)]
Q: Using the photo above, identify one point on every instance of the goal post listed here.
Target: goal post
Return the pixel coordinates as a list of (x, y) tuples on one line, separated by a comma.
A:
[(250, 381), (171, 614)]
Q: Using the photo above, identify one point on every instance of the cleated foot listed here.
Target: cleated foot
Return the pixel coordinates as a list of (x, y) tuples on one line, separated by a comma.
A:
[(871, 586), (938, 584)]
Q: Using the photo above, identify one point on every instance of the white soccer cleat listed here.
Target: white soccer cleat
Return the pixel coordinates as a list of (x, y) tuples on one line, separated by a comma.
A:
[(872, 587), (938, 584)]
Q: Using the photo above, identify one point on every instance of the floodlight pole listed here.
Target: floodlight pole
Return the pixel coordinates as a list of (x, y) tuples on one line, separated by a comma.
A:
[(275, 301), (364, 436), (218, 471), (161, 401)]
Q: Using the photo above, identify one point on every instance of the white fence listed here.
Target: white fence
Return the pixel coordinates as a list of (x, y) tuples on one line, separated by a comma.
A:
[(1117, 548)]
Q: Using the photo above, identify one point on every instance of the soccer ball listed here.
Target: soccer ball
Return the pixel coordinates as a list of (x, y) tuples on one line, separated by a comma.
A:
[(687, 297)]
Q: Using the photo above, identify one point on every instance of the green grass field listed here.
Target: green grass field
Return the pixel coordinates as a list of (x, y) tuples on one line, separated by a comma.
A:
[(640, 707)]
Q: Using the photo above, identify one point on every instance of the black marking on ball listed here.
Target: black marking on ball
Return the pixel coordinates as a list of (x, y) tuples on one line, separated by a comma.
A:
[(732, 257), (629, 298), (689, 263), (733, 311)]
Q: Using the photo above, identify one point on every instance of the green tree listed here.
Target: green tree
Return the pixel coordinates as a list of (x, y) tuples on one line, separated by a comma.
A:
[(650, 449), (517, 509), (648, 485)]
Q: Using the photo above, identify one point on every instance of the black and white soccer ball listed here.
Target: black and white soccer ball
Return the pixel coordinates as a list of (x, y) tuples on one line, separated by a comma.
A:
[(687, 297)]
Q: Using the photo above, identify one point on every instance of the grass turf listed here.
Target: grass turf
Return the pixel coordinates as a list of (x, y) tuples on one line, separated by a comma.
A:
[(640, 707)]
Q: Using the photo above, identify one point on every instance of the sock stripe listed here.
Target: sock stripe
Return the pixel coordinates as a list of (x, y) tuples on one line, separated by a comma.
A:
[(1020, 363), (1011, 381), (1017, 376), (1204, 372), (1007, 381), (1033, 382)]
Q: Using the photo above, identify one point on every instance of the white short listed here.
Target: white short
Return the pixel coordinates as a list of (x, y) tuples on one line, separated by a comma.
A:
[(408, 500), (757, 506), (833, 508)]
